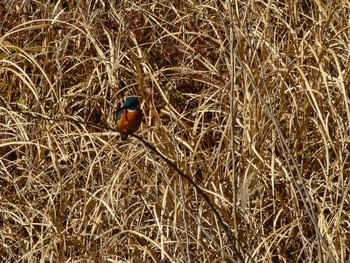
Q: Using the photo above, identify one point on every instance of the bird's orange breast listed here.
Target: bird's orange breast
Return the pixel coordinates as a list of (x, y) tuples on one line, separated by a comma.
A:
[(130, 120)]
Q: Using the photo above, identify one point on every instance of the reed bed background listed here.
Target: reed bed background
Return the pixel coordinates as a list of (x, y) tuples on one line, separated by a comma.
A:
[(249, 99)]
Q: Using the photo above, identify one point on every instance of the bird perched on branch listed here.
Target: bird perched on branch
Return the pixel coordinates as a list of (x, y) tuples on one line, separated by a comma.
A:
[(129, 117)]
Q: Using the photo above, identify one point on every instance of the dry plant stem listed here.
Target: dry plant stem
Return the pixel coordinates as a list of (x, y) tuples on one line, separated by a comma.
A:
[(232, 118), (232, 239)]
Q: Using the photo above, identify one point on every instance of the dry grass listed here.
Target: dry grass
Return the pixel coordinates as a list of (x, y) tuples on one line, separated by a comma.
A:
[(251, 101)]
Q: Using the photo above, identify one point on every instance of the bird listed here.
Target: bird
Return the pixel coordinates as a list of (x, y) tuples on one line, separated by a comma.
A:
[(129, 117)]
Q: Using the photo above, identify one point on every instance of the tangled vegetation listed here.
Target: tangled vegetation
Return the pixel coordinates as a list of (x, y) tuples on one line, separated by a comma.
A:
[(243, 153)]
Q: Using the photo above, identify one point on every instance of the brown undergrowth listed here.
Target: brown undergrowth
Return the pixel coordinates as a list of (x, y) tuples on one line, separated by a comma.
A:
[(249, 99)]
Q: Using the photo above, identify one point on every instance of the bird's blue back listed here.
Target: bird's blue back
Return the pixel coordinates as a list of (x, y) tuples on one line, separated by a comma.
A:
[(131, 103)]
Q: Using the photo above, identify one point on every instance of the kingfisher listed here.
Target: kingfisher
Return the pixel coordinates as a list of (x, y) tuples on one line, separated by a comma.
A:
[(129, 117)]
